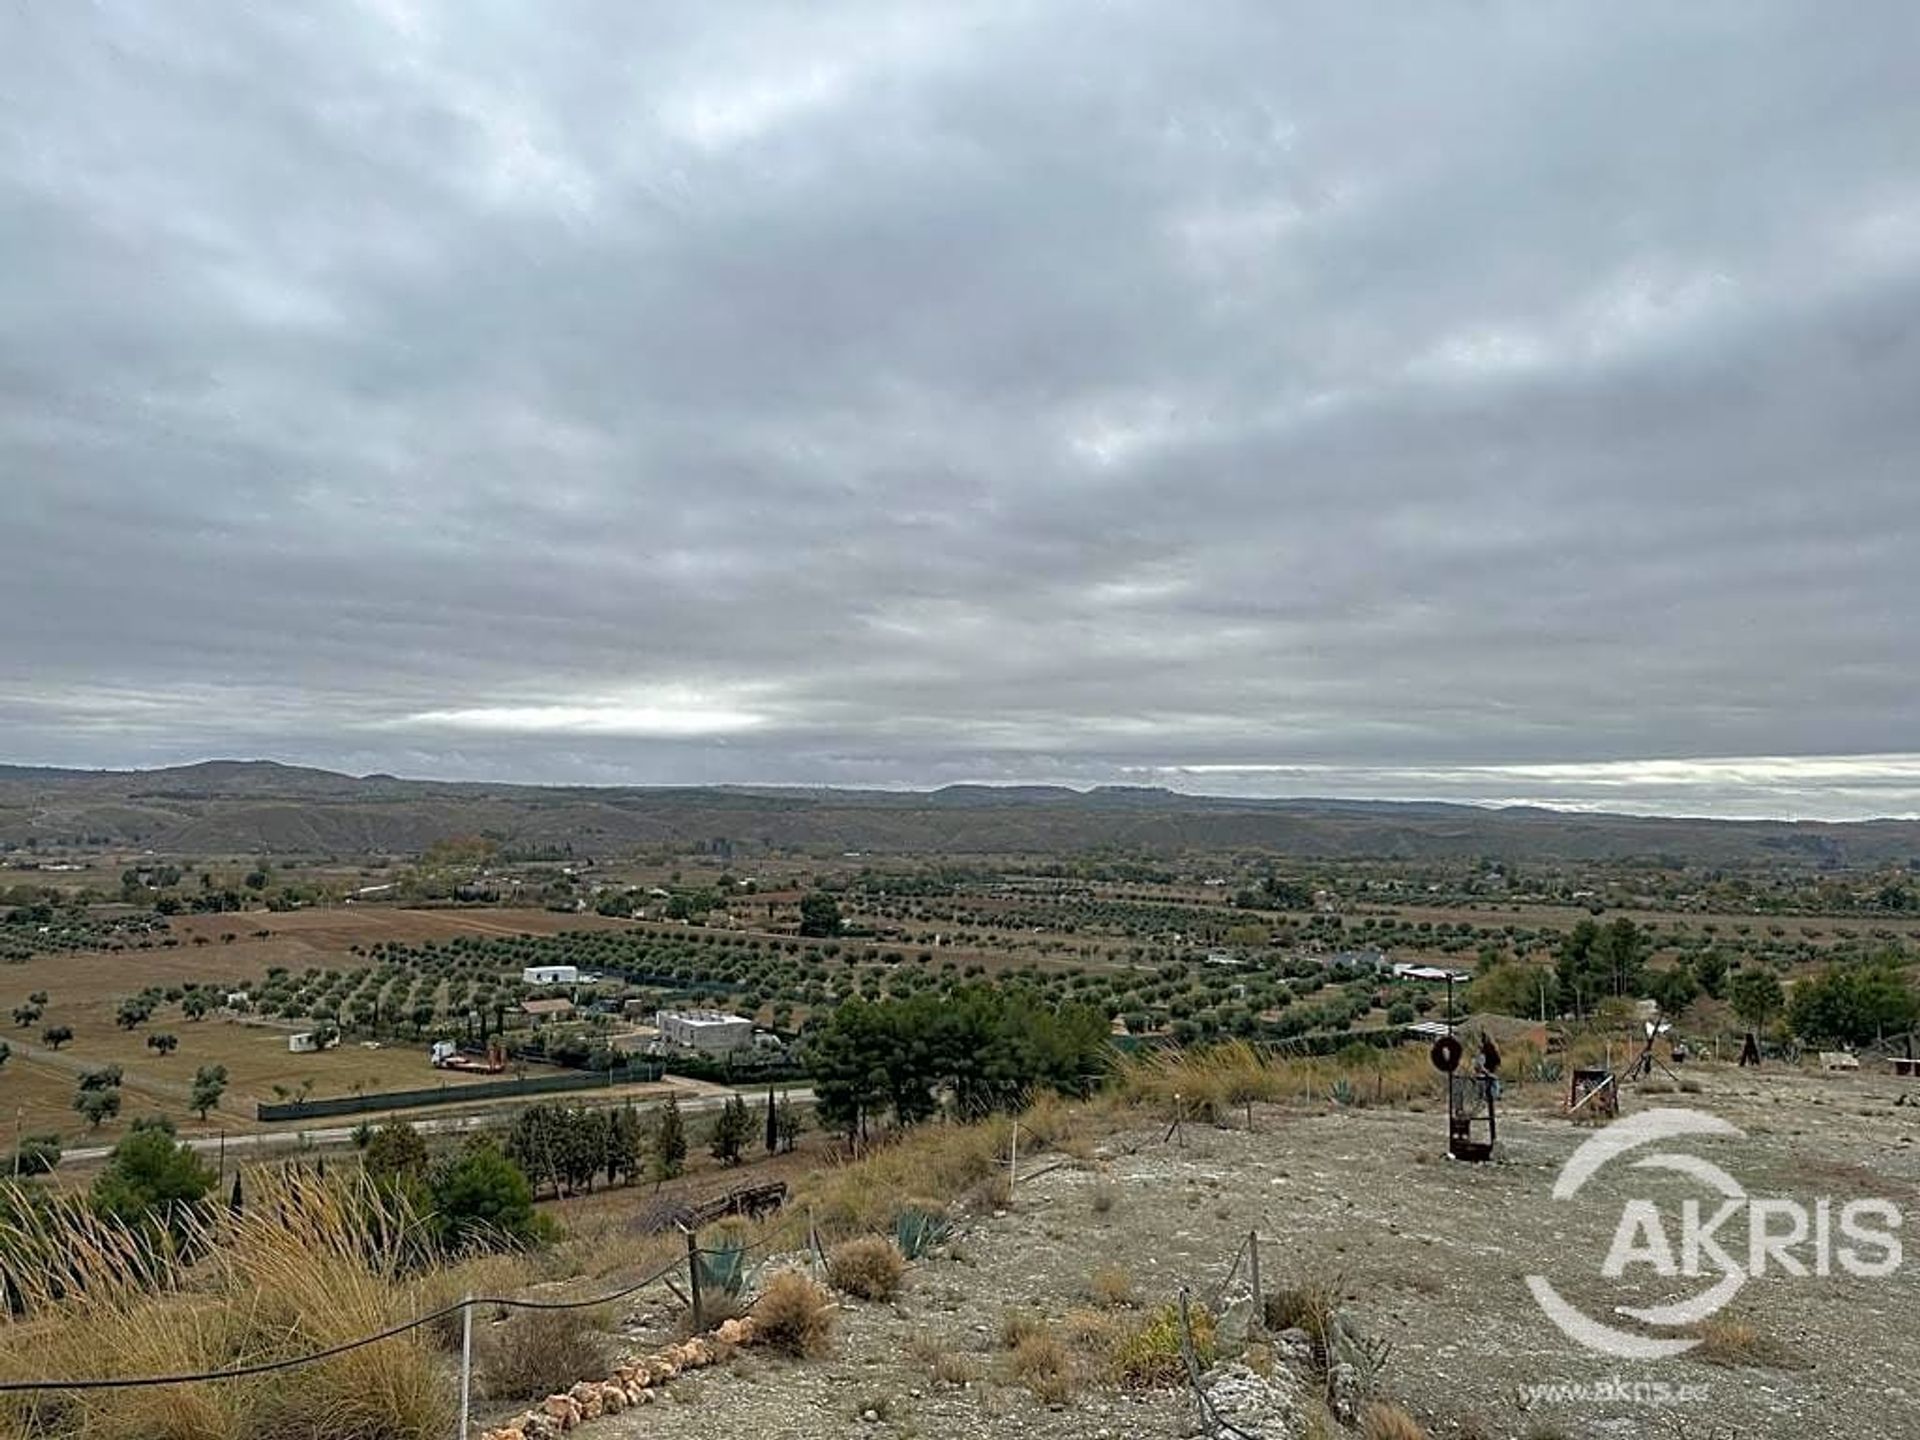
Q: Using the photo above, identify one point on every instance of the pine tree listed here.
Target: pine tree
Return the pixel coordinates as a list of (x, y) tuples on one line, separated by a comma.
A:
[(731, 1130), (669, 1142), (790, 1124), (625, 1142), (236, 1202), (773, 1124)]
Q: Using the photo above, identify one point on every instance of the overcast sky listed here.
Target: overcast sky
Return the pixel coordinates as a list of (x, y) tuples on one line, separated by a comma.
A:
[(1474, 400)]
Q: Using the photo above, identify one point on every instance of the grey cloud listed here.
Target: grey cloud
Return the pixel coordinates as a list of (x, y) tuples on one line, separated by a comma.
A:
[(902, 395)]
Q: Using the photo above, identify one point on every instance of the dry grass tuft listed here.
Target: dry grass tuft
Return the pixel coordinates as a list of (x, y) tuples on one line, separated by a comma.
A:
[(1309, 1305), (1093, 1331), (1017, 1325), (1740, 1345), (1042, 1364), (794, 1314), (308, 1264), (1102, 1194), (1111, 1287), (1381, 1421), (1212, 1083), (538, 1352), (869, 1268), (943, 1366), (937, 1162)]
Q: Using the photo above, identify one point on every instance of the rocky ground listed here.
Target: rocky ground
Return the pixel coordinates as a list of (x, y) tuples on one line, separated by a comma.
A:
[(1431, 1258)]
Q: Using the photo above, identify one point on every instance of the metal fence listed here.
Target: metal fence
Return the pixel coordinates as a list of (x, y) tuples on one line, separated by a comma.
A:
[(457, 1094)]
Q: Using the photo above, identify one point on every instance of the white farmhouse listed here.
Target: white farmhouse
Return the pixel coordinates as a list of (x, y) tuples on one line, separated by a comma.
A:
[(712, 1032), (551, 975)]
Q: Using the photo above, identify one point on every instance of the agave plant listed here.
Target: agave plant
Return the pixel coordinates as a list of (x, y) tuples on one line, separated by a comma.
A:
[(916, 1230)]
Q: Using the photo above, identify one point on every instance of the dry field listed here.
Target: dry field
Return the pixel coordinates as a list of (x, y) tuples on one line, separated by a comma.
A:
[(37, 1085)]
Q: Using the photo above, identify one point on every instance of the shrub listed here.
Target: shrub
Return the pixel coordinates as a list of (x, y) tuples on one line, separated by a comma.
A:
[(868, 1268), (1149, 1356), (538, 1352), (794, 1314), (38, 1155), (1102, 1193)]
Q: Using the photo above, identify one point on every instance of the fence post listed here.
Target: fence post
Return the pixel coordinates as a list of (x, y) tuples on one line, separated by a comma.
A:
[(466, 1365), (693, 1272), (1013, 1163), (1259, 1321)]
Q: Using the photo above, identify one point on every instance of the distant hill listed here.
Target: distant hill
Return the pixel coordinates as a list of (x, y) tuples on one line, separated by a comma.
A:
[(251, 806)]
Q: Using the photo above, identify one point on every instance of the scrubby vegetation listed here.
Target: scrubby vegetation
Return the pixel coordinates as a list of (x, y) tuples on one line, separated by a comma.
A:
[(867, 1268), (794, 1314)]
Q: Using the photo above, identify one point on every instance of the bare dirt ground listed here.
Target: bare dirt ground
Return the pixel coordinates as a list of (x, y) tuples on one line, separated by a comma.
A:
[(1434, 1256)]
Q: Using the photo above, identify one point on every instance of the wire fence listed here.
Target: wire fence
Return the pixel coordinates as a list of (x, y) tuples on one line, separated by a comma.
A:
[(697, 1264), (294, 1362)]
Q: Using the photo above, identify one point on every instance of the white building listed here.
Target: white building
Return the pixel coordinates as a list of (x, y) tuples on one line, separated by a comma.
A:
[(1429, 972), (712, 1032), (551, 975)]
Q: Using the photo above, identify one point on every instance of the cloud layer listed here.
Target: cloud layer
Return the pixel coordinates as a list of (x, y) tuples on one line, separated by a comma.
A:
[(1427, 400)]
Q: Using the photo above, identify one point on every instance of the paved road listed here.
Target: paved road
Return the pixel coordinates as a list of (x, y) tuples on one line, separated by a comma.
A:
[(441, 1124)]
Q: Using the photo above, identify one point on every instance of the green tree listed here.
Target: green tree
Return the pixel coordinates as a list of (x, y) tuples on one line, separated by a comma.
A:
[(732, 1128), (37, 1155), (1514, 987), (25, 1015), (773, 1125), (103, 1077), (1673, 990), (790, 1123), (819, 914), (164, 1044), (396, 1153), (1710, 969), (1756, 997), (209, 1084), (96, 1106), (669, 1141), (481, 1199), (626, 1145), (152, 1179), (1852, 1005), (57, 1035), (6, 1052)]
